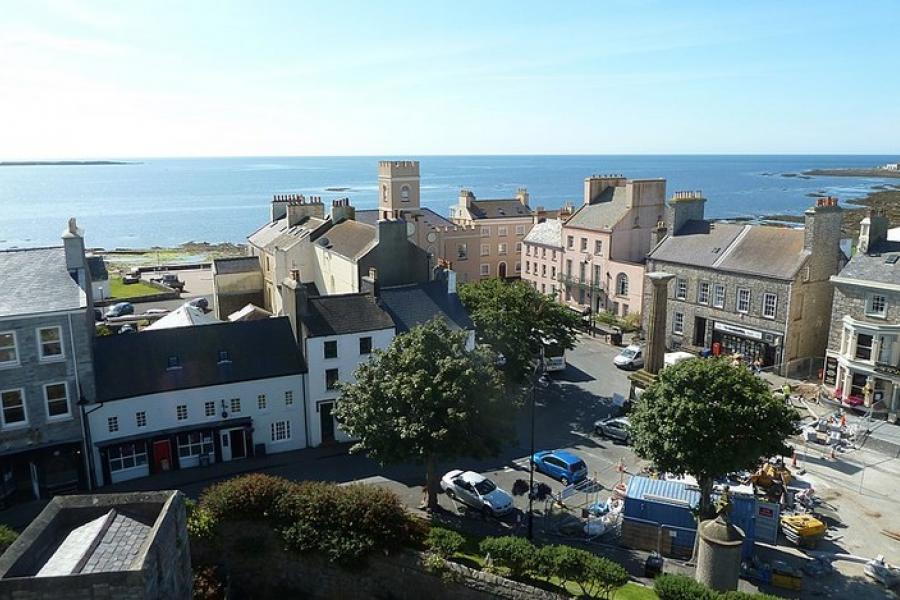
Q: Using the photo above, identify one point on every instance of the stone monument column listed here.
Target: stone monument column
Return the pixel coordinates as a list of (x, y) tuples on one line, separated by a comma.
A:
[(655, 352)]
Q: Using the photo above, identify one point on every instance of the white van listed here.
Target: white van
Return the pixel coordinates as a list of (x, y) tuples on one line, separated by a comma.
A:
[(632, 357)]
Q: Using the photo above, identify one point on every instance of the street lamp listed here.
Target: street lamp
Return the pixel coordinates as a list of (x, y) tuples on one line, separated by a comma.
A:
[(589, 261), (537, 379)]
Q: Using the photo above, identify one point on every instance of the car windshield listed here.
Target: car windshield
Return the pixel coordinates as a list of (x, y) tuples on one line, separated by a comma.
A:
[(628, 353), (485, 487)]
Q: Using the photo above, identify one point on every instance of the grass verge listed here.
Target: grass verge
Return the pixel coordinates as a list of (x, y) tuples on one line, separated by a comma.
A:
[(118, 290)]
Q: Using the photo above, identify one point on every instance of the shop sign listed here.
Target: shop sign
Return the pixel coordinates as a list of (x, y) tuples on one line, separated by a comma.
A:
[(747, 333), (831, 365)]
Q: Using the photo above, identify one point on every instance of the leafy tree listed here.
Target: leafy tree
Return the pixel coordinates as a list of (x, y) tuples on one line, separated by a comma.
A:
[(513, 317), (514, 553), (595, 575), (679, 587), (426, 398), (708, 418)]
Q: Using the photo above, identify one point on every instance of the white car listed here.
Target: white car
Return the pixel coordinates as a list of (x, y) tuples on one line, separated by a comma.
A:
[(477, 491), (631, 357)]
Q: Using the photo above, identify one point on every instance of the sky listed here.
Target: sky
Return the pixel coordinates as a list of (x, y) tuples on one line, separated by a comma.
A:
[(218, 78)]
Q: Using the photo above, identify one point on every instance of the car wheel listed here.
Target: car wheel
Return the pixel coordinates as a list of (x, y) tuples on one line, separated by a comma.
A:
[(564, 480)]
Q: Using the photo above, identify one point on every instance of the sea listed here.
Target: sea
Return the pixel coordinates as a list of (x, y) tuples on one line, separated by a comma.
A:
[(166, 202)]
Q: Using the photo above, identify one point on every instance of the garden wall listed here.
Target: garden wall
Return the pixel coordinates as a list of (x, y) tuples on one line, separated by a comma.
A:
[(252, 555)]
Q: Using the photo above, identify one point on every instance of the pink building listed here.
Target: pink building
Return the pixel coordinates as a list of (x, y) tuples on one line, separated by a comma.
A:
[(606, 241), (542, 257)]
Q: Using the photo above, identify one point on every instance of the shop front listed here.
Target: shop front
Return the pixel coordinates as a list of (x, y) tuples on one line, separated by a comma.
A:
[(41, 473), (863, 386), (751, 344)]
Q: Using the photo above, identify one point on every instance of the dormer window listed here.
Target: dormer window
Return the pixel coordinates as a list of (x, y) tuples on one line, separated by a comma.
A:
[(174, 363), (224, 356)]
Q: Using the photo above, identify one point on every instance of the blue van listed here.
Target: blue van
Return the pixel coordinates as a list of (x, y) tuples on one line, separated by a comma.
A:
[(561, 465)]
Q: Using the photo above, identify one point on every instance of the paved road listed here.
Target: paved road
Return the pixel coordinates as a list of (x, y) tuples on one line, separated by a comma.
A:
[(197, 283)]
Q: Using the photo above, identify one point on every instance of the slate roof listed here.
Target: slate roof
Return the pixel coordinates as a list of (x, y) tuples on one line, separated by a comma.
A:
[(762, 250), (338, 314), (604, 213), (136, 364), (97, 267), (874, 266), (237, 264), (426, 215), (546, 233), (411, 305), (277, 235), (36, 280), (498, 209), (349, 238)]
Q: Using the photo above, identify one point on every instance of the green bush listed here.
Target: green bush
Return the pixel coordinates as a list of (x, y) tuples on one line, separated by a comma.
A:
[(593, 574), (7, 537), (444, 542), (745, 596), (249, 497), (514, 553), (602, 576), (678, 587)]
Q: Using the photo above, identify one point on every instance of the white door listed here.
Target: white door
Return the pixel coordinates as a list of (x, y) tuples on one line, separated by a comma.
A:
[(35, 487), (226, 446)]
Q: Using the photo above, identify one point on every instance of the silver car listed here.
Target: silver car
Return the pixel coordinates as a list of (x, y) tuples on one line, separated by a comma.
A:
[(477, 491), (615, 428)]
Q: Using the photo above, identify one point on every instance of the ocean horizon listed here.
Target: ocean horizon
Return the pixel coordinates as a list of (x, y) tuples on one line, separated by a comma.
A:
[(170, 201)]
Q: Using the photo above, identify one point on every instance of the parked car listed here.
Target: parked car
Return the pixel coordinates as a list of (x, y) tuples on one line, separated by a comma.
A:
[(615, 428), (561, 465), (120, 309), (98, 314), (132, 276), (170, 280), (201, 303), (477, 491), (631, 357)]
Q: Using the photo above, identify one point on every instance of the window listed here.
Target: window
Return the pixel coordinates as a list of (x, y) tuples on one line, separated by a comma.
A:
[(224, 356), (527, 267), (680, 289), (57, 398), (8, 353), (527, 250), (770, 304), (543, 253), (876, 306), (569, 267), (553, 290), (261, 402), (485, 249), (518, 247), (678, 323), (703, 292), (622, 284), (404, 193), (584, 244), (520, 230), (543, 288), (864, 346), (485, 232), (127, 456), (485, 270), (462, 251), (743, 300), (502, 231), (181, 412), (598, 247), (140, 418), (209, 408), (289, 398), (112, 423), (365, 345), (570, 241), (194, 443), (719, 295), (501, 249), (581, 271), (553, 272), (174, 363), (330, 349), (281, 431), (331, 379), (13, 402), (518, 267), (50, 342), (235, 405), (544, 270), (597, 274)]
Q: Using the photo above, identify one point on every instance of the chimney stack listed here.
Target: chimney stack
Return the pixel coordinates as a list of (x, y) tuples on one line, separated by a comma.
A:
[(466, 197), (76, 263), (369, 283), (873, 230), (683, 207), (660, 231), (341, 210), (522, 196)]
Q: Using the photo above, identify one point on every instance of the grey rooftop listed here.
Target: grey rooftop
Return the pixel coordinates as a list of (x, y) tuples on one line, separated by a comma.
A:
[(880, 265), (36, 280)]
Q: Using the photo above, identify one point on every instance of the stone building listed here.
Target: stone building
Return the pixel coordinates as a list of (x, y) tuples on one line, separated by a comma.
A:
[(606, 241), (237, 282), (46, 368), (123, 546), (760, 291), (862, 365)]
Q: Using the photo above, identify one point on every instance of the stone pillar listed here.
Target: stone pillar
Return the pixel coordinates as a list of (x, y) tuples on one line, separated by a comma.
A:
[(654, 353), (719, 554)]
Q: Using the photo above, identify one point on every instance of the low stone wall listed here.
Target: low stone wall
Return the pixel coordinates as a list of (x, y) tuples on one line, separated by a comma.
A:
[(258, 567)]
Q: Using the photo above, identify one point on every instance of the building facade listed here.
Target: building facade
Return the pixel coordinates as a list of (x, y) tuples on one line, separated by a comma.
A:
[(197, 396), (862, 365), (46, 368), (763, 292), (542, 258)]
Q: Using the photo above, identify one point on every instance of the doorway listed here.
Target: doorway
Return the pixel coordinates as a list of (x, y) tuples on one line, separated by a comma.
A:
[(700, 332), (234, 444), (501, 270), (162, 456), (326, 422)]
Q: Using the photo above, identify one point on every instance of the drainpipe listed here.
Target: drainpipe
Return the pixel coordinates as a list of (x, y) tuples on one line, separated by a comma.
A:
[(305, 392)]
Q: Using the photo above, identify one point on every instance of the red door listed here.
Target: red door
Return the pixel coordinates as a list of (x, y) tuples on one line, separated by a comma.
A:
[(162, 456)]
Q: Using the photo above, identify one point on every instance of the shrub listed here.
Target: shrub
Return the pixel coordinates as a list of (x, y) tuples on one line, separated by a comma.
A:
[(208, 584), (249, 497), (602, 576), (201, 525), (737, 595), (513, 553), (678, 587), (444, 542), (7, 537)]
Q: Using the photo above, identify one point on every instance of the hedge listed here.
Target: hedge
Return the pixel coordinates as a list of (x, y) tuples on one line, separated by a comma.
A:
[(679, 587), (444, 542), (7, 537)]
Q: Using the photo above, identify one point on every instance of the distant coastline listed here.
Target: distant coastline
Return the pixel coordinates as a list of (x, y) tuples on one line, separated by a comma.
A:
[(64, 163), (852, 173)]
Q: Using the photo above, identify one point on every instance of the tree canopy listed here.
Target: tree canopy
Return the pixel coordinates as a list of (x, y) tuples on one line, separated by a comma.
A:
[(707, 418), (426, 398), (514, 319)]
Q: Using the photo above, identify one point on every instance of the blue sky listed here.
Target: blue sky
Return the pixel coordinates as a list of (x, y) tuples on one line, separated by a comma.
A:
[(162, 78)]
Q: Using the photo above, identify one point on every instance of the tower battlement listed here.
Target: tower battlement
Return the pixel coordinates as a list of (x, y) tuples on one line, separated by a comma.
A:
[(398, 168)]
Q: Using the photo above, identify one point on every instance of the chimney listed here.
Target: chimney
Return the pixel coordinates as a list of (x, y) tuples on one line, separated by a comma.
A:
[(76, 263), (873, 230), (279, 207), (369, 283), (659, 231), (822, 238), (684, 207), (465, 198), (341, 210), (522, 196), (595, 185)]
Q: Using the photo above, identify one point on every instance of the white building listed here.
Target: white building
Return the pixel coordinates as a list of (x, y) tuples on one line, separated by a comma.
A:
[(190, 396)]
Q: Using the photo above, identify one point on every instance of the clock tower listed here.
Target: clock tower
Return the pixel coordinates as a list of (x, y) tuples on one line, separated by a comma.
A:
[(398, 187)]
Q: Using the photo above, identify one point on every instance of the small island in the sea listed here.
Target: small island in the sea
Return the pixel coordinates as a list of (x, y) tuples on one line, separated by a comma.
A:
[(888, 170), (64, 163)]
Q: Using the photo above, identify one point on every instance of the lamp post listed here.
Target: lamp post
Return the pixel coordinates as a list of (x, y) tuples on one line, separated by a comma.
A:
[(536, 378), (589, 261)]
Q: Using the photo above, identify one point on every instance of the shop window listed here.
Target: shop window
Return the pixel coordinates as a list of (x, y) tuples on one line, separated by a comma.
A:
[(126, 456), (331, 349), (57, 398), (194, 443), (863, 346), (13, 402), (50, 342), (281, 431), (9, 354)]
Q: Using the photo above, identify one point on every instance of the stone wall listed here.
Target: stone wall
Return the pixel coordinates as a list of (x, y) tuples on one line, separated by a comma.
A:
[(851, 300), (253, 557)]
